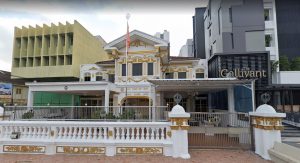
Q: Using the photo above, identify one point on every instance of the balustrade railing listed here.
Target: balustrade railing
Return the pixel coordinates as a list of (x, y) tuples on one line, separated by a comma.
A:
[(219, 119), (88, 131), (111, 113)]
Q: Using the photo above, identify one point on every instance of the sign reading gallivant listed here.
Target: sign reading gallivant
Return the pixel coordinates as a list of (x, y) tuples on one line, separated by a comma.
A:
[(243, 73)]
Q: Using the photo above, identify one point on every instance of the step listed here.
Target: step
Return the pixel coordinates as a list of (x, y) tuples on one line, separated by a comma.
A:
[(290, 134), (290, 131)]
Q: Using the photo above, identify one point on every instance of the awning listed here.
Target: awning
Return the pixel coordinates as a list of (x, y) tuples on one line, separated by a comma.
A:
[(202, 85), (85, 88)]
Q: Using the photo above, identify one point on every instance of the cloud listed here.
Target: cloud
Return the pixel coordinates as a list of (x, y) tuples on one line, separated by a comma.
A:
[(100, 18)]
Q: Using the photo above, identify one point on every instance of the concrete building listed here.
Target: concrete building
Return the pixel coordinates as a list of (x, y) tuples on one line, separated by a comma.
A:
[(12, 92), (234, 39), (244, 36), (187, 50), (198, 33), (54, 53)]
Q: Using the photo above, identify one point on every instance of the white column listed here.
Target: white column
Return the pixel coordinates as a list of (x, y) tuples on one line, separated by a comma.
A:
[(30, 98), (106, 104), (230, 94), (179, 126), (267, 129), (253, 94), (232, 117)]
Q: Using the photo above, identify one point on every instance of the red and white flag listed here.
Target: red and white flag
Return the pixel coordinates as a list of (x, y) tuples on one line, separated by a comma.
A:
[(127, 36)]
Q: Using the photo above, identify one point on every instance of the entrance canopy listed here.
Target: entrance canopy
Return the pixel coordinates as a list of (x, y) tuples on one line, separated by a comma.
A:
[(72, 87), (202, 85)]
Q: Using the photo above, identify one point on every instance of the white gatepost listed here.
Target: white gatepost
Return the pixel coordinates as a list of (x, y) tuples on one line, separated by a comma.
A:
[(1, 113), (106, 100), (267, 125), (179, 127)]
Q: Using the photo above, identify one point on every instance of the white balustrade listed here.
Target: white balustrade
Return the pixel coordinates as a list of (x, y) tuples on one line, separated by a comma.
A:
[(90, 136), (79, 131)]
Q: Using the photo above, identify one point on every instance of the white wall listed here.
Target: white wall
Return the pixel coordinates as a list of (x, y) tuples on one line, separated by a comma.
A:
[(287, 77)]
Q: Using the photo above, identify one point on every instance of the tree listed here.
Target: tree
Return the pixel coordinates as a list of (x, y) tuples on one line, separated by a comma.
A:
[(295, 64), (284, 64)]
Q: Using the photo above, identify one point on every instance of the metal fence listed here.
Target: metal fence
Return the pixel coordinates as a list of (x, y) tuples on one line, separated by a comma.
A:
[(219, 130), (112, 113), (219, 119), (292, 119)]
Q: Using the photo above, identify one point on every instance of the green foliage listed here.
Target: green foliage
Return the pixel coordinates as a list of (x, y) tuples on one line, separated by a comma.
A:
[(284, 63), (28, 115), (98, 114), (295, 64), (127, 115), (274, 66), (268, 40)]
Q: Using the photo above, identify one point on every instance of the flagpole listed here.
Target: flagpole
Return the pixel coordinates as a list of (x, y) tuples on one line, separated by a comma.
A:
[(126, 51)]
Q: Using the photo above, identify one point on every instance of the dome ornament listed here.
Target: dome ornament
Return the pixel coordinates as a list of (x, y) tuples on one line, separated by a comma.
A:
[(265, 98), (177, 98)]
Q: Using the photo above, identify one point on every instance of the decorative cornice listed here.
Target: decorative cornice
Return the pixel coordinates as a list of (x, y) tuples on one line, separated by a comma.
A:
[(267, 123)]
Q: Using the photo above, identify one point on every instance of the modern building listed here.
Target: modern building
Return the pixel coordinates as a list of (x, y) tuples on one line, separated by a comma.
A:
[(54, 53), (234, 42), (12, 92), (198, 33), (243, 38), (281, 40), (187, 50)]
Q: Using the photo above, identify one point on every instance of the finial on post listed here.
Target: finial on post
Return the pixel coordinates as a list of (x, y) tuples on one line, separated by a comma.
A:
[(127, 16)]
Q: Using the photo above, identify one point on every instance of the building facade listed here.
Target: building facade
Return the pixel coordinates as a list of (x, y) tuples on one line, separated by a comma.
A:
[(243, 37), (54, 52), (187, 50), (198, 33), (12, 92)]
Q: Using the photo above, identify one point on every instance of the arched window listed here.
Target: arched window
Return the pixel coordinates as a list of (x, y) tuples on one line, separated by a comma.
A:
[(99, 76), (87, 76)]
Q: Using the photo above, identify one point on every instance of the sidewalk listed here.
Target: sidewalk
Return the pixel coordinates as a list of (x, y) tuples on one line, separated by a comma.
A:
[(205, 156)]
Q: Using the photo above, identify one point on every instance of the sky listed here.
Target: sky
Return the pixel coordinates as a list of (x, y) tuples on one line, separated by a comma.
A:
[(102, 17)]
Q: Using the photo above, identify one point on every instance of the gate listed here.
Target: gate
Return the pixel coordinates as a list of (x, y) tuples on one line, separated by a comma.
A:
[(219, 130)]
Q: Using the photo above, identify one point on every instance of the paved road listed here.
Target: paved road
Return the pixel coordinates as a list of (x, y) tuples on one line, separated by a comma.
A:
[(205, 156)]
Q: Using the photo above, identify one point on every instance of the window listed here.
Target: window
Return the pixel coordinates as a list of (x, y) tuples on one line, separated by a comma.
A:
[(230, 15), (181, 75), (123, 69), (99, 78), (111, 78), (169, 75), (267, 14), (150, 68), (137, 69), (170, 102), (268, 40), (18, 91), (199, 75), (87, 77)]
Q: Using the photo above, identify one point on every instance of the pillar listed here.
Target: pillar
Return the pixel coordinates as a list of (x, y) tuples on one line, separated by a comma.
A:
[(179, 129), (230, 96), (30, 98), (267, 129), (106, 101)]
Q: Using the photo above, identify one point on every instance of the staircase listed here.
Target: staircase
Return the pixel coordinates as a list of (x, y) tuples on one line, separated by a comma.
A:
[(290, 131)]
